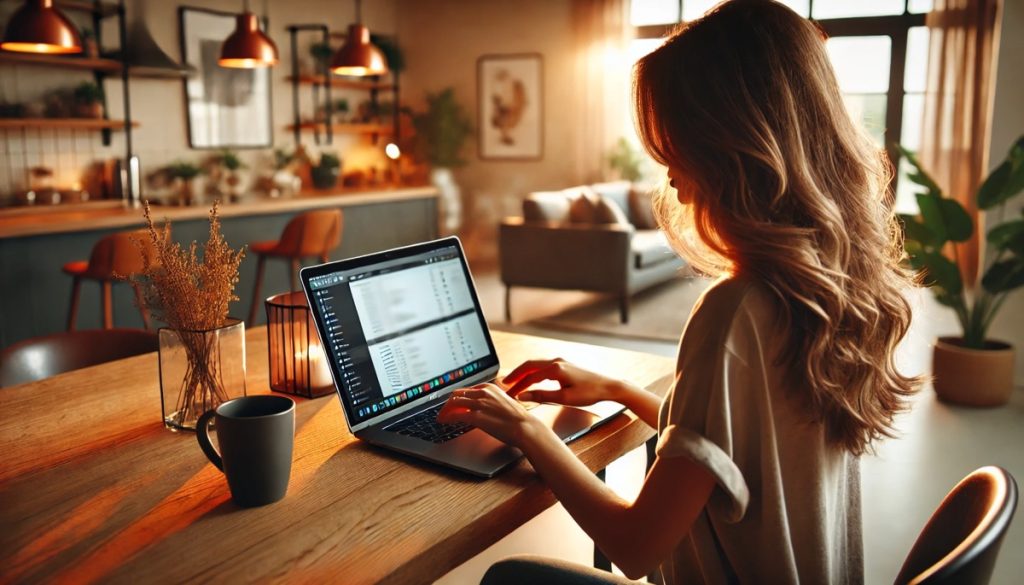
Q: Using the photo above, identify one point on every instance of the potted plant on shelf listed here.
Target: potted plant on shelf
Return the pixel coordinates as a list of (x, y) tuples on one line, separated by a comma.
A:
[(441, 132), (326, 171), (232, 164), (184, 172), (971, 369), (321, 53), (88, 98)]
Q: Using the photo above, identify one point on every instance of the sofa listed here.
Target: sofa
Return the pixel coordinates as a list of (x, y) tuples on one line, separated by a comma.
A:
[(598, 238)]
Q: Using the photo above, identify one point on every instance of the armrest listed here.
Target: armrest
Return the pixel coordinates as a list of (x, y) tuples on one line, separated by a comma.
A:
[(566, 256)]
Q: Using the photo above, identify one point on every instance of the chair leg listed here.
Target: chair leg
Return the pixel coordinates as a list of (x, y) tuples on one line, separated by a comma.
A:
[(142, 306), (508, 304), (76, 285), (256, 289), (624, 308), (108, 305), (600, 560), (294, 272)]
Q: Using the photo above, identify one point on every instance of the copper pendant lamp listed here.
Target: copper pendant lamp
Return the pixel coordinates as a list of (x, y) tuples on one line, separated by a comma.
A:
[(358, 56), (38, 27), (247, 47)]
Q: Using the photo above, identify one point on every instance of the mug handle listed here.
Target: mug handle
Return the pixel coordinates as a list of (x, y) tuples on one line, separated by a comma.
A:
[(203, 435)]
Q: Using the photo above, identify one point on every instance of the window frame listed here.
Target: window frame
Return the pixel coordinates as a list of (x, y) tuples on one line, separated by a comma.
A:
[(895, 26)]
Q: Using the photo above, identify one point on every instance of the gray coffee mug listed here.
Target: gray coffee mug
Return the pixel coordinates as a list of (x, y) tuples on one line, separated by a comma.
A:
[(255, 434)]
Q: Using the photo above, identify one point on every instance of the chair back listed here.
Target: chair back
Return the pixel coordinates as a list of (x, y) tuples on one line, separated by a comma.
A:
[(42, 357), (119, 254), (313, 233), (961, 541)]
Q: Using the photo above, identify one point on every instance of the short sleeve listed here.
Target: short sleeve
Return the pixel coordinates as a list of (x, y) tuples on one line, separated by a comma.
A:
[(732, 496)]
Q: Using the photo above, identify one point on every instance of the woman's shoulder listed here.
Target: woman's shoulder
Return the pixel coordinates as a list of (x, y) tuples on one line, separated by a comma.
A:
[(732, 297)]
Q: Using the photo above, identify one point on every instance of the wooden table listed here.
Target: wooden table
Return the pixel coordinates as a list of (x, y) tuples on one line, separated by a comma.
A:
[(94, 488)]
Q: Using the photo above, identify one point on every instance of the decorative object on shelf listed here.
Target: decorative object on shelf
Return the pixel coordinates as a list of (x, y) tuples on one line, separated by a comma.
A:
[(202, 350), (441, 133), (298, 362), (321, 53), (358, 56), (973, 369), (511, 113), (183, 172), (326, 171), (38, 27), (232, 164), (88, 100), (227, 107), (247, 47), (284, 180), (90, 48)]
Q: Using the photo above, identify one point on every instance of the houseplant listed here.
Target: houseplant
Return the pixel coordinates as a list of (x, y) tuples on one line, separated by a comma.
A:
[(441, 132), (626, 161), (326, 171), (88, 98), (971, 369), (202, 350), (321, 53), (184, 172), (232, 164)]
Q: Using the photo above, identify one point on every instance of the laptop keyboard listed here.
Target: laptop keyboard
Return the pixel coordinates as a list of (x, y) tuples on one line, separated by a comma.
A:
[(426, 427)]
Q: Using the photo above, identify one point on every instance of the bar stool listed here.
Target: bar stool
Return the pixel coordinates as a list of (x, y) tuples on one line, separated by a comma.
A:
[(308, 235), (115, 254)]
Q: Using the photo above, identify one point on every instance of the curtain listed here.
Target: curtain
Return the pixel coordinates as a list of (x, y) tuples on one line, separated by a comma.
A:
[(958, 108), (603, 75)]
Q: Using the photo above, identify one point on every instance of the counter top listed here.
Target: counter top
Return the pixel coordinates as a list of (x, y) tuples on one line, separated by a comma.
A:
[(42, 220)]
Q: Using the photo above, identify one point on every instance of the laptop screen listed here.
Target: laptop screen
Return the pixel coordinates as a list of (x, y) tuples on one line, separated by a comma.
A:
[(400, 327)]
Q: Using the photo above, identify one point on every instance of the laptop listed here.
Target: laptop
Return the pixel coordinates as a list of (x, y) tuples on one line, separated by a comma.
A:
[(402, 329)]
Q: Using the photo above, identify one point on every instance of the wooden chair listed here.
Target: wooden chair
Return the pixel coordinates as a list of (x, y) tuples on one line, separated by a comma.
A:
[(312, 234), (115, 254), (961, 541), (42, 357)]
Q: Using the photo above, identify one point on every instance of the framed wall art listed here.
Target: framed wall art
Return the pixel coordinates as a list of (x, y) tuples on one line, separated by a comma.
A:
[(227, 108), (511, 94)]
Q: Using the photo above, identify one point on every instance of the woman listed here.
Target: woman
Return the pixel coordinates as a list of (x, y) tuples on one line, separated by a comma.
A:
[(785, 373)]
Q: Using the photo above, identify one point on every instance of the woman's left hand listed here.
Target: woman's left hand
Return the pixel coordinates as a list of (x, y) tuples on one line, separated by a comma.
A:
[(492, 410)]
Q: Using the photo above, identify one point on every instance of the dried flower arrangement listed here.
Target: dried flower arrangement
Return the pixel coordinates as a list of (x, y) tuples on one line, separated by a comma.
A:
[(191, 294)]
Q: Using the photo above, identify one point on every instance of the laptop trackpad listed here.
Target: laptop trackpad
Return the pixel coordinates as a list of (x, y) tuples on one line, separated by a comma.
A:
[(567, 422)]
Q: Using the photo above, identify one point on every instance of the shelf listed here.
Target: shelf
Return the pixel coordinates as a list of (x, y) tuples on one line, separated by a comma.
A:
[(64, 123), (100, 8), (342, 82), (107, 65), (344, 128)]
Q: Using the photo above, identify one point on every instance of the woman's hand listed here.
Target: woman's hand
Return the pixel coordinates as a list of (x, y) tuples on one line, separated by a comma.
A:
[(490, 409), (579, 387)]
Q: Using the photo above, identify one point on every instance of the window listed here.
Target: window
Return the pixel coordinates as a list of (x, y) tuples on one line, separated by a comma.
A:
[(879, 49)]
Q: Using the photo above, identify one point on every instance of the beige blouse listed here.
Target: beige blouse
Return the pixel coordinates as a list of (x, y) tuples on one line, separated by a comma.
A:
[(786, 507)]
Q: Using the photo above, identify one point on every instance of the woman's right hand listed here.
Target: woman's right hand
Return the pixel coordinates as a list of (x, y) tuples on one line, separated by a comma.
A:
[(579, 387)]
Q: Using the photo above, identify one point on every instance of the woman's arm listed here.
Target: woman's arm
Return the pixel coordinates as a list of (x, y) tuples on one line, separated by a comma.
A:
[(635, 536)]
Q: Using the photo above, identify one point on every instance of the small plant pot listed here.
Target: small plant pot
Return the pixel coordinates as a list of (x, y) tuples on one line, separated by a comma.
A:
[(93, 110), (973, 377), (325, 177)]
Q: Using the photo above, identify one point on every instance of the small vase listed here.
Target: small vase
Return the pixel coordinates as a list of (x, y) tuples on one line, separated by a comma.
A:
[(199, 370), (451, 199), (973, 377)]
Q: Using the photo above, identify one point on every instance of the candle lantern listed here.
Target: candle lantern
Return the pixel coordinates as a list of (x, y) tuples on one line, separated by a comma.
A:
[(298, 362)]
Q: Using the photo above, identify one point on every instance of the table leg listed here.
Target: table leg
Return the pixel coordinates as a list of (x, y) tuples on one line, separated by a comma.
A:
[(600, 561)]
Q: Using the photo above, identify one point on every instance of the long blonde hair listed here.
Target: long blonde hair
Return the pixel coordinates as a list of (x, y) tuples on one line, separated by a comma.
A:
[(788, 189)]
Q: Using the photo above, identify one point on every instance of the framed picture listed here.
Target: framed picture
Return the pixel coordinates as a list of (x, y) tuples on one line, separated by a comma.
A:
[(511, 125), (227, 108)]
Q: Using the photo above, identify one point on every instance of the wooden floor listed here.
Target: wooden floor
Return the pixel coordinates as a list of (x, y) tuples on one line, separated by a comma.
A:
[(901, 484)]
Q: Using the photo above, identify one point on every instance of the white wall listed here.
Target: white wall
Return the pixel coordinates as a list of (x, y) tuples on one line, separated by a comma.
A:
[(158, 105), (1008, 125)]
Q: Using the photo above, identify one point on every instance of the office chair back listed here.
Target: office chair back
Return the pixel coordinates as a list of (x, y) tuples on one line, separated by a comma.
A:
[(42, 357), (961, 540)]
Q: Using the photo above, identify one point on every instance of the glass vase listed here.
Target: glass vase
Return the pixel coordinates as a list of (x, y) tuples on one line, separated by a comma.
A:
[(199, 370)]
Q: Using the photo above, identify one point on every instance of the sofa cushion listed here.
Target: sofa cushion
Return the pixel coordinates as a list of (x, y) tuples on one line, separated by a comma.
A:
[(618, 193), (607, 211), (582, 204), (641, 208), (546, 206), (649, 247)]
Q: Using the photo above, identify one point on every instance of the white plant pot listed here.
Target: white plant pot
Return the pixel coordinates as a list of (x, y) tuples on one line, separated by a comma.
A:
[(451, 199)]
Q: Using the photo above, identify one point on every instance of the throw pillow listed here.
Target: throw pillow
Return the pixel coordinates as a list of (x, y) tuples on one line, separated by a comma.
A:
[(582, 204), (642, 209), (607, 211), (546, 206)]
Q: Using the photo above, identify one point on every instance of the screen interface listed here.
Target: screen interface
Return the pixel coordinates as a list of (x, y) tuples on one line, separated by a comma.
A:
[(400, 329)]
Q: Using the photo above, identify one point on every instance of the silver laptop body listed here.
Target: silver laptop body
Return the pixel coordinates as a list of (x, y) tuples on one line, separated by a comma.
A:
[(403, 328)]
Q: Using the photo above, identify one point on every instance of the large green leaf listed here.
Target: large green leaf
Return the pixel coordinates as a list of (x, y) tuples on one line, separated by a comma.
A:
[(941, 272), (1008, 236), (919, 176), (916, 231), (1006, 181), (1004, 276), (946, 219)]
